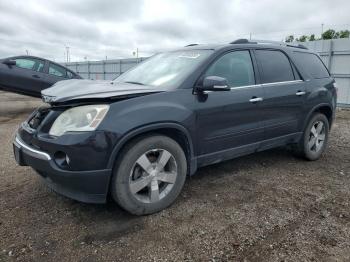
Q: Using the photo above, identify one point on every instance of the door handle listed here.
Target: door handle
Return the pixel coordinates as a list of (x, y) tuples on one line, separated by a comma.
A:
[(36, 76), (300, 93), (255, 99)]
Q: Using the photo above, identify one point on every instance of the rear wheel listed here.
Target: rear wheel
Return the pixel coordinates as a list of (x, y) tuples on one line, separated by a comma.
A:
[(315, 138), (149, 175)]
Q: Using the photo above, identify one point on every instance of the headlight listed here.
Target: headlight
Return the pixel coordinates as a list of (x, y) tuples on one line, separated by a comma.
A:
[(81, 118)]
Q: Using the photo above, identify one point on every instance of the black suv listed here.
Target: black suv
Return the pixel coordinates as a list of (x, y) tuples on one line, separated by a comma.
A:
[(137, 137)]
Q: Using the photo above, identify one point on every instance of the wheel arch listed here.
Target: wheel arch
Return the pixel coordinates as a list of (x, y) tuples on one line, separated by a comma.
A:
[(325, 109), (173, 130)]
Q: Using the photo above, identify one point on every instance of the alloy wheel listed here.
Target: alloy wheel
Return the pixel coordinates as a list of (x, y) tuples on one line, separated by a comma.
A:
[(153, 175), (317, 137)]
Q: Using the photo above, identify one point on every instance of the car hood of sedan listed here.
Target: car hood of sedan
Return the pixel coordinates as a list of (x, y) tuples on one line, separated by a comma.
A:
[(76, 89)]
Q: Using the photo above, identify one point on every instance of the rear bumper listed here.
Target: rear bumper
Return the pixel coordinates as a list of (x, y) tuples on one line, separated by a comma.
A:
[(85, 186)]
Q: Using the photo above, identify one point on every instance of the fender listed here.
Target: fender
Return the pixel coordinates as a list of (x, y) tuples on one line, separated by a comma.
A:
[(315, 108), (154, 127)]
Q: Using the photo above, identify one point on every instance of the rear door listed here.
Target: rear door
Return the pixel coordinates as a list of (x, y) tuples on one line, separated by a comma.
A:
[(229, 122), (284, 95), (56, 73)]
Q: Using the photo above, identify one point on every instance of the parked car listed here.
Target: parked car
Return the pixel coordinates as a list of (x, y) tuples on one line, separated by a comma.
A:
[(137, 137), (29, 75)]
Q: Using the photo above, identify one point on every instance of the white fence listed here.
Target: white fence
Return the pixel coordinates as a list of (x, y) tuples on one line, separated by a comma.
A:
[(103, 70), (335, 54)]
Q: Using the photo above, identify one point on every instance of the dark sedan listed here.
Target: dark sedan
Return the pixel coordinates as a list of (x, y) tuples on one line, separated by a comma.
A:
[(29, 75)]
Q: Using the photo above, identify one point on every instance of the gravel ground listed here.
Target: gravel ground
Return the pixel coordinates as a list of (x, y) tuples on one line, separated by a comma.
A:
[(268, 206)]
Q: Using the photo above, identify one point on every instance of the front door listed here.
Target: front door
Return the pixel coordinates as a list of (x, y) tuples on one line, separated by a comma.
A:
[(229, 123), (27, 75)]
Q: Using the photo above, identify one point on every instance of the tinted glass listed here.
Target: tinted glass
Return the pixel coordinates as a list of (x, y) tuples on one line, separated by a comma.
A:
[(275, 66), (312, 64), (40, 66), (236, 67), (25, 63), (57, 70)]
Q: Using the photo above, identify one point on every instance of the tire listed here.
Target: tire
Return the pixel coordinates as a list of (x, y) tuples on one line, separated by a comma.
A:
[(140, 172), (312, 145)]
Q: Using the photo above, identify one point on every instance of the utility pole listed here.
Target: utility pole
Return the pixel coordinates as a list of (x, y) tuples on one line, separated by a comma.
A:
[(322, 30), (250, 36), (68, 55)]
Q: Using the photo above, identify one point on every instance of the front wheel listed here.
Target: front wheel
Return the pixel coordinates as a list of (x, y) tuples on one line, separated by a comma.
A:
[(149, 175), (315, 138)]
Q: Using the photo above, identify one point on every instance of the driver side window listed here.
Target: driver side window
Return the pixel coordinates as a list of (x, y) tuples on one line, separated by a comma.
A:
[(236, 67)]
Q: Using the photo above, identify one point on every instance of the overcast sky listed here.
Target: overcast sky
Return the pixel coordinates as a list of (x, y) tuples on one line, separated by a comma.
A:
[(115, 28)]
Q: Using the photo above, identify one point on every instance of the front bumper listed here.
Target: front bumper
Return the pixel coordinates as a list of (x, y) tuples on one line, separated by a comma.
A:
[(85, 186)]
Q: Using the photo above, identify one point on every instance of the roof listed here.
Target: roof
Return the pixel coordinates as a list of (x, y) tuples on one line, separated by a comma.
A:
[(244, 43)]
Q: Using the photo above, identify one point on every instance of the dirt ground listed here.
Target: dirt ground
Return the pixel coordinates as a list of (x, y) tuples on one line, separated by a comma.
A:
[(269, 206)]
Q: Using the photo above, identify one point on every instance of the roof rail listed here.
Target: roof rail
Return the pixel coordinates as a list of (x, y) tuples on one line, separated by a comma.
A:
[(191, 45), (246, 41)]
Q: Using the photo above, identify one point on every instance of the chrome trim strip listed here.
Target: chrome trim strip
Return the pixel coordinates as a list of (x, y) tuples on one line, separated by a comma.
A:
[(262, 85), (282, 83), (242, 87), (31, 151)]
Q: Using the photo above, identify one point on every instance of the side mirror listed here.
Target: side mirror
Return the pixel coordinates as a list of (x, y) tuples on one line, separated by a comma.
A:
[(9, 62), (214, 83)]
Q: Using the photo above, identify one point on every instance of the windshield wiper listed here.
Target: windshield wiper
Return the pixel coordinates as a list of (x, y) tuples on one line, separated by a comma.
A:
[(136, 83)]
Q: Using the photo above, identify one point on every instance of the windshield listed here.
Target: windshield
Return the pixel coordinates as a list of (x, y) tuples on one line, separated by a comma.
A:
[(165, 69)]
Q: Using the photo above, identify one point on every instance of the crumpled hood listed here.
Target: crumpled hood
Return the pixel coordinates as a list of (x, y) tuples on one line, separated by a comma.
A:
[(77, 89)]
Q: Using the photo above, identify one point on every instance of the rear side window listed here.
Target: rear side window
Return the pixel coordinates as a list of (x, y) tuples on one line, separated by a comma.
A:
[(70, 74), (274, 66), (236, 67), (312, 64), (57, 70)]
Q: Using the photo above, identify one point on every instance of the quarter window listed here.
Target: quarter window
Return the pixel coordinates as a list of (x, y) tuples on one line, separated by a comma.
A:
[(236, 67), (312, 64), (57, 70), (275, 66)]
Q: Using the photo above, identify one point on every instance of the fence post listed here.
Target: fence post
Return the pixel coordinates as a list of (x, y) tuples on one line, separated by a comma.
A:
[(88, 64), (330, 54), (120, 67), (104, 69)]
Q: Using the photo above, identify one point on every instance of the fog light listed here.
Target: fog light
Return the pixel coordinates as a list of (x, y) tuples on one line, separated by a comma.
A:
[(61, 159)]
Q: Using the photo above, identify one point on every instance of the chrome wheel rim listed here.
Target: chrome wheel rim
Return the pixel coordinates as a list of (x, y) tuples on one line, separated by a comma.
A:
[(317, 136), (153, 176)]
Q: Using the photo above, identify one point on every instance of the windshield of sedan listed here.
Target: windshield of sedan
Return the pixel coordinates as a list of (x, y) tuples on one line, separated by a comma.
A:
[(165, 69)]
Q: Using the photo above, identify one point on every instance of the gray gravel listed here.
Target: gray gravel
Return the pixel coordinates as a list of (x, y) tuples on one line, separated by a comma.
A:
[(268, 206)]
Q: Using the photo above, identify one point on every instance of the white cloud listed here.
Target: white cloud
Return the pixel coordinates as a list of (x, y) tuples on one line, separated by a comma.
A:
[(116, 28)]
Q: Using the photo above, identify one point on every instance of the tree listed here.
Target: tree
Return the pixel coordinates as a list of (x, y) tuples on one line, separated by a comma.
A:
[(344, 34), (302, 38), (289, 39), (312, 37), (329, 34)]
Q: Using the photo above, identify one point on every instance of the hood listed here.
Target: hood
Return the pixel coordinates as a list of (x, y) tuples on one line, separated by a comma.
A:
[(77, 89)]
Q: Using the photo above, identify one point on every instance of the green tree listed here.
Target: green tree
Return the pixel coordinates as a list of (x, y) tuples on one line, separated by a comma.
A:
[(344, 34), (329, 34), (302, 38), (312, 37), (289, 39)]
